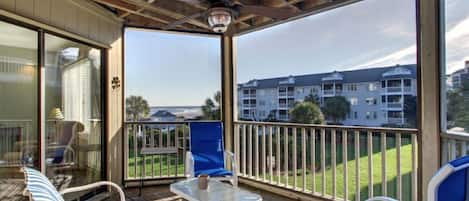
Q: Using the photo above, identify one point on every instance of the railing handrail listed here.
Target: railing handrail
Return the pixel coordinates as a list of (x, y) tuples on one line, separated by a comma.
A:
[(378, 129), (455, 135)]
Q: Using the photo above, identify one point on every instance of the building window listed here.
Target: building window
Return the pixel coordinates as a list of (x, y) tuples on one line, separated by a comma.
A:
[(375, 115), (261, 102), (368, 115), (370, 101), (354, 101), (407, 82), (372, 87), (383, 84), (352, 87), (355, 115), (383, 99)]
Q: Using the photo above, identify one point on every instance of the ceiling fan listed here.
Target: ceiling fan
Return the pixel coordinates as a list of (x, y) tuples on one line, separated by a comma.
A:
[(221, 13)]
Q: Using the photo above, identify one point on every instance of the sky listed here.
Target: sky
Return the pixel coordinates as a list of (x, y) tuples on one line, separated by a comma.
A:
[(370, 33)]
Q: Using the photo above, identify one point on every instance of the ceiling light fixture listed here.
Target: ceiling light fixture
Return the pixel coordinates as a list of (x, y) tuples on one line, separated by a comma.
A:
[(219, 19)]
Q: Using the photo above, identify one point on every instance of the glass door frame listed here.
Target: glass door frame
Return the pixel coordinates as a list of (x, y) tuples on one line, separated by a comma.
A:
[(41, 113)]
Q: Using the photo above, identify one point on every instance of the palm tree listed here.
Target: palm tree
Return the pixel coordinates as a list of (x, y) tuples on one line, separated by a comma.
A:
[(136, 108), (211, 108)]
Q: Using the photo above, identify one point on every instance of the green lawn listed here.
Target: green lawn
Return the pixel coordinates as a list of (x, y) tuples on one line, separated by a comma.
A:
[(391, 170)]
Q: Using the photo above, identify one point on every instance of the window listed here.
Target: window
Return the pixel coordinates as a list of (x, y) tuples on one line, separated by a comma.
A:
[(383, 84), (368, 115), (74, 104), (370, 101), (372, 87), (354, 101), (383, 99), (352, 87), (455, 69), (19, 99), (261, 103), (407, 82), (355, 115), (70, 102), (184, 71)]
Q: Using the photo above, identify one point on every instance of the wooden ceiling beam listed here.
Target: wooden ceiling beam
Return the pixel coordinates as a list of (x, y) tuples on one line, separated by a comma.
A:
[(149, 7), (273, 3), (129, 8)]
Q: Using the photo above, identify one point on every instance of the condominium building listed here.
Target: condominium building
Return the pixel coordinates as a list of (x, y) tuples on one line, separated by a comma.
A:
[(456, 79), (376, 95)]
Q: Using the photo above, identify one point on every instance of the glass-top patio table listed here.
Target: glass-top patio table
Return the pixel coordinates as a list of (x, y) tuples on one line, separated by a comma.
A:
[(216, 191)]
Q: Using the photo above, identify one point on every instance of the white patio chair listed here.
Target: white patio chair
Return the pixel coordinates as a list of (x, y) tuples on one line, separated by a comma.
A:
[(39, 188)]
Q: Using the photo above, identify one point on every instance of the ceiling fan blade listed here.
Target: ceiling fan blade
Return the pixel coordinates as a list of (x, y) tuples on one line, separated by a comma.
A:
[(183, 20), (274, 13)]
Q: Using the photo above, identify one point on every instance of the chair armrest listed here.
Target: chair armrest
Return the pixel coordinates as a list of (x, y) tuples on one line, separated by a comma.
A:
[(230, 155), (95, 185), (189, 165), (234, 167)]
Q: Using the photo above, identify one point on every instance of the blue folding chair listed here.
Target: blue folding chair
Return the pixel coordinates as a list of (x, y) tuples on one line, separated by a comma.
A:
[(451, 182), (207, 155)]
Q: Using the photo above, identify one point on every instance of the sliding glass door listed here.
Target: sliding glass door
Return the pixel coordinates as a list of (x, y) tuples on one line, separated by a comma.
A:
[(73, 109), (51, 87), (18, 97)]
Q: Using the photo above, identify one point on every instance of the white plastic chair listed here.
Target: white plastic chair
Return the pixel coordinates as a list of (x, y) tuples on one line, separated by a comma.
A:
[(39, 188)]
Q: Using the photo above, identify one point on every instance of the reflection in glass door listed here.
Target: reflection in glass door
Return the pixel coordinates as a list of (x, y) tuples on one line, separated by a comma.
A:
[(73, 112), (18, 97)]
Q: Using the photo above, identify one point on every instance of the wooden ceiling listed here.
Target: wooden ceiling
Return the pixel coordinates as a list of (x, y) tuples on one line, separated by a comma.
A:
[(157, 14)]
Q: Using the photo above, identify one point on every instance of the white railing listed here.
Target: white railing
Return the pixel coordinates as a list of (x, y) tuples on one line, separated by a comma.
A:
[(160, 135), (327, 161), (395, 105), (395, 120), (453, 145), (17, 144), (394, 89)]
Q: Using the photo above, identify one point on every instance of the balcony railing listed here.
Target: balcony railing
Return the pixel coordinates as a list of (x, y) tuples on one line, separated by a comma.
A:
[(398, 89), (284, 93), (327, 161), (395, 120), (453, 146), (394, 105), (160, 135)]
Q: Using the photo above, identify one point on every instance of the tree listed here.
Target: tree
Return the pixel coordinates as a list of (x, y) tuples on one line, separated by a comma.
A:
[(336, 108), (313, 98), (306, 113), (211, 108), (410, 111), (136, 108), (459, 105)]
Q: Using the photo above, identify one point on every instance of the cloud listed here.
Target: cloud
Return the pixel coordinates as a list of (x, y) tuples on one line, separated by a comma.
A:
[(457, 50), (402, 56)]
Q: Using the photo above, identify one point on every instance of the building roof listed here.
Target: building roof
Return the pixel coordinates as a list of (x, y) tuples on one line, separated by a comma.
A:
[(351, 76), (163, 113)]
